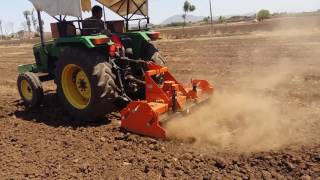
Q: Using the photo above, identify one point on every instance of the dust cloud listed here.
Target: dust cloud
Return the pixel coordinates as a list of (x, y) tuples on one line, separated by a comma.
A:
[(257, 112), (247, 118)]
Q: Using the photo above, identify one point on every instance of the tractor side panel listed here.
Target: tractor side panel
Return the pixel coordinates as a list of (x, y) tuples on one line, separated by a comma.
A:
[(45, 56), (42, 55)]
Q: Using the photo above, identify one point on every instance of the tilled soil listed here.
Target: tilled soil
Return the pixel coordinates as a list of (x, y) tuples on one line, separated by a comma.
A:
[(46, 143)]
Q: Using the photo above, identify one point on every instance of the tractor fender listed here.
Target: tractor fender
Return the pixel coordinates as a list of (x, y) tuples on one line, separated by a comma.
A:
[(74, 41), (84, 41)]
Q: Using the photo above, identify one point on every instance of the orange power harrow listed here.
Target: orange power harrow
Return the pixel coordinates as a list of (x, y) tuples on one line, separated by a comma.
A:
[(162, 102)]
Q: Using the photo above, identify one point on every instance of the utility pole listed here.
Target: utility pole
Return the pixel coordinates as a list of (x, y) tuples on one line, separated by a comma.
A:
[(211, 16), (1, 30)]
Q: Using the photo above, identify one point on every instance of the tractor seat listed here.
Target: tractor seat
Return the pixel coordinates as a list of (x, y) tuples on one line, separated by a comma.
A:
[(116, 26), (63, 29)]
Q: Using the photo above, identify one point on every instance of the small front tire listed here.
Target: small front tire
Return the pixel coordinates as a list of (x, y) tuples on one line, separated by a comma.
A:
[(30, 89)]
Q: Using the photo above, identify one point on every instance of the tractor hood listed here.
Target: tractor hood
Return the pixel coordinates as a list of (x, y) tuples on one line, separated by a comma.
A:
[(75, 7)]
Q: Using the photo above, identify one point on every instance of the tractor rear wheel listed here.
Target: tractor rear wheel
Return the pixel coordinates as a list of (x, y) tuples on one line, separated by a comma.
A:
[(30, 89), (150, 52), (85, 84), (158, 59)]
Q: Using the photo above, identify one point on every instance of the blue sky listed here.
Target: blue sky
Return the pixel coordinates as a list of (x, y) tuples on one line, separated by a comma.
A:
[(11, 11)]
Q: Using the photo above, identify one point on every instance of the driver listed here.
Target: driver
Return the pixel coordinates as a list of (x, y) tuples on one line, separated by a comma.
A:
[(94, 24)]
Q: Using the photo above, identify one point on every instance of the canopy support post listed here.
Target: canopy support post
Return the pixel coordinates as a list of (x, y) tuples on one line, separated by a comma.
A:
[(128, 10), (40, 27), (104, 17)]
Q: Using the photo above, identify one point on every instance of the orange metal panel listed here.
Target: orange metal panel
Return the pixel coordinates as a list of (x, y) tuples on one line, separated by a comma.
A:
[(160, 108), (142, 117)]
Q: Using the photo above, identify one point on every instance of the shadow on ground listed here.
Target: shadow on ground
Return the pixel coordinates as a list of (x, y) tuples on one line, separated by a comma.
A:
[(52, 114)]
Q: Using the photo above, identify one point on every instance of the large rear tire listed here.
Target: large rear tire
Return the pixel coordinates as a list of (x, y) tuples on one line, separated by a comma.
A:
[(150, 52), (85, 83)]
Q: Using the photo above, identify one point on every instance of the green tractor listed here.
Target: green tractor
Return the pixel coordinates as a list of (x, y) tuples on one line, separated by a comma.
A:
[(95, 74)]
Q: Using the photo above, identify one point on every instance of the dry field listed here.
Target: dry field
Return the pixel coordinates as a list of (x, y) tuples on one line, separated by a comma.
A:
[(262, 123)]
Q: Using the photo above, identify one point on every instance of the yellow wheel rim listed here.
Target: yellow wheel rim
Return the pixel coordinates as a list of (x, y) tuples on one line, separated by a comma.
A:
[(76, 86), (26, 90)]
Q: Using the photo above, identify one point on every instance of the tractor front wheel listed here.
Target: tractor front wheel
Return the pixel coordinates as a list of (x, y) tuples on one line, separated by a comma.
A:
[(30, 89), (85, 84)]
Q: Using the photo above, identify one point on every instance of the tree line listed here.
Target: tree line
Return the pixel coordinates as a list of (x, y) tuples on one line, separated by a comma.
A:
[(30, 25), (188, 7), (260, 16), (32, 21)]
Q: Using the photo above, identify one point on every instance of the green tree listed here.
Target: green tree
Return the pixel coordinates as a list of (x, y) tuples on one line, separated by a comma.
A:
[(206, 19), (1, 32), (20, 34), (187, 7), (221, 19), (263, 14), (26, 15), (34, 21)]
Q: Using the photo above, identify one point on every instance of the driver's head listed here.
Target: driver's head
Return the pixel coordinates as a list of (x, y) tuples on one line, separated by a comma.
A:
[(97, 12)]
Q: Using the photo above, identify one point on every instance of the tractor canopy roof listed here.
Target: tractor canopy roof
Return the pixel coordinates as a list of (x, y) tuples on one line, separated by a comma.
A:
[(75, 7)]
